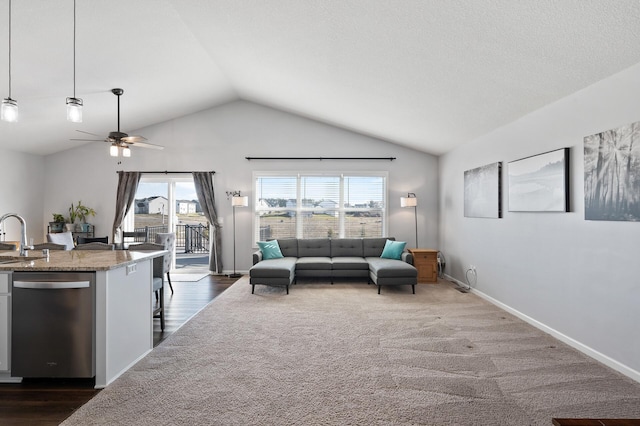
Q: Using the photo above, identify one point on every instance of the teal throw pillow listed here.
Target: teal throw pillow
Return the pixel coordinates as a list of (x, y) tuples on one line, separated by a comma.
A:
[(270, 249), (393, 249)]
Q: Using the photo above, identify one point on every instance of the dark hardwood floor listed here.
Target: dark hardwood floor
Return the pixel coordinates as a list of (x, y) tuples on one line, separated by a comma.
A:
[(50, 401)]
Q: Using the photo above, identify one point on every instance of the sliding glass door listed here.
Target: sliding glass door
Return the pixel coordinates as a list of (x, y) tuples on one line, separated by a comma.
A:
[(169, 204)]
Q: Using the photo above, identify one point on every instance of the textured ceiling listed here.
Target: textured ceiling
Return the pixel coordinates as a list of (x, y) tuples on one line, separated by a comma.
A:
[(425, 74)]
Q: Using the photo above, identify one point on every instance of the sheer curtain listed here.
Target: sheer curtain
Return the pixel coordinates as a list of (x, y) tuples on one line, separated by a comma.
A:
[(126, 193), (203, 182)]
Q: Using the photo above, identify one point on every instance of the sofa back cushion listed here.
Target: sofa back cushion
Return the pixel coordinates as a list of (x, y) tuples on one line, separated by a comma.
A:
[(314, 247), (288, 247), (342, 247), (373, 246)]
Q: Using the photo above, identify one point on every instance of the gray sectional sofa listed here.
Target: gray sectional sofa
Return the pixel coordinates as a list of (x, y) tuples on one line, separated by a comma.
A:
[(333, 258)]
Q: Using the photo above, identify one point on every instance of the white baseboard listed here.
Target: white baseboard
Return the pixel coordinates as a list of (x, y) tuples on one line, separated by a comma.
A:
[(598, 356), (121, 372)]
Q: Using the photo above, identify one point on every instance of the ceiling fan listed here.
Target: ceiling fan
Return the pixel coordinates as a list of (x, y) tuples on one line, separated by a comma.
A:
[(120, 141)]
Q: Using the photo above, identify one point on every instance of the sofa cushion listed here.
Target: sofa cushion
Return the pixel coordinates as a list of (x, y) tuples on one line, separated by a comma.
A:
[(393, 249), (270, 249), (373, 246), (314, 247), (390, 268), (315, 263), (349, 262), (273, 268), (288, 246), (347, 247)]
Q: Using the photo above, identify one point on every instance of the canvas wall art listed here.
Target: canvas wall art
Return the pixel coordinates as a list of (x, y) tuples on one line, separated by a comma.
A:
[(540, 183), (482, 191), (612, 174)]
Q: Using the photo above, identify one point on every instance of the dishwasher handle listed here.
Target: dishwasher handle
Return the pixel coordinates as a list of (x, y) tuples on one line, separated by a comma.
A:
[(51, 285)]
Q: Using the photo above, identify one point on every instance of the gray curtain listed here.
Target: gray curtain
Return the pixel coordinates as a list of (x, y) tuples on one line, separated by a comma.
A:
[(203, 182), (127, 186)]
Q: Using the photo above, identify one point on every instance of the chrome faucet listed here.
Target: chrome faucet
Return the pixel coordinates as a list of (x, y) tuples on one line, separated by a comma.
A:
[(23, 230)]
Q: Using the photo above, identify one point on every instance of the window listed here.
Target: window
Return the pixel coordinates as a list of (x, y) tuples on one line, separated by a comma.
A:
[(320, 205)]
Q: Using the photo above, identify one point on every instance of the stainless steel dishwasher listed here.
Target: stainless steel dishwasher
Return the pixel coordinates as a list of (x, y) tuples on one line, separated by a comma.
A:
[(52, 324)]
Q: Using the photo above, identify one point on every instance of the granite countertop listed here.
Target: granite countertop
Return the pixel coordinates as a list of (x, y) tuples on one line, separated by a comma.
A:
[(73, 260)]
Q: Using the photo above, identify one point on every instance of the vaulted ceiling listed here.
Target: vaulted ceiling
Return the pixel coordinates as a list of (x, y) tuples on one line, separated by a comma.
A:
[(428, 74)]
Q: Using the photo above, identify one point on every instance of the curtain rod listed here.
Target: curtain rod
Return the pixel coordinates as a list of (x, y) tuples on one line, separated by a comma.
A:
[(170, 172), (321, 158)]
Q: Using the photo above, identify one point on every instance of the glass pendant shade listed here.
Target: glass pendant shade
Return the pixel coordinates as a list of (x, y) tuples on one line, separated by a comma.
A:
[(74, 110), (126, 151), (9, 110), (114, 150)]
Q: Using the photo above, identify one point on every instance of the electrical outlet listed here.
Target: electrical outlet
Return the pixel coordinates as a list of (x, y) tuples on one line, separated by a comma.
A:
[(132, 268), (473, 268)]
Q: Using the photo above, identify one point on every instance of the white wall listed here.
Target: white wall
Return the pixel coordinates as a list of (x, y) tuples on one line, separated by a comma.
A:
[(578, 278), (21, 193), (219, 139)]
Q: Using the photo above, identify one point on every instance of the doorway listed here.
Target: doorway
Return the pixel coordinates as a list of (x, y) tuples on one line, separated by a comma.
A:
[(169, 204)]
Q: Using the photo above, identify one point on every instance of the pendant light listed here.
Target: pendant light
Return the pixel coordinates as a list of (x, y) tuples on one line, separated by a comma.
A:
[(9, 109), (74, 105)]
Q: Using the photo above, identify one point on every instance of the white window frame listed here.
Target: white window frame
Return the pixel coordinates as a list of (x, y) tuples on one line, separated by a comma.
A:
[(299, 208)]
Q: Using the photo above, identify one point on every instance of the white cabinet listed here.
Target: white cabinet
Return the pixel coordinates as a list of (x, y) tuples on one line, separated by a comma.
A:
[(4, 321)]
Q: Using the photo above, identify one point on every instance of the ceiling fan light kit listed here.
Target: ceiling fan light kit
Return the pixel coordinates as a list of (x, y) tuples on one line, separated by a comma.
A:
[(9, 109)]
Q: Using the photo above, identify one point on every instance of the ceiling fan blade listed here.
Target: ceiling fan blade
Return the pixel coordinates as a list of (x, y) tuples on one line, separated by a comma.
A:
[(146, 145), (88, 140), (88, 133), (133, 139)]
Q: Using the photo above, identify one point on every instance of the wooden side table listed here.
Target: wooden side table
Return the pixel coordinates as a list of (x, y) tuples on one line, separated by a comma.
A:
[(426, 262)]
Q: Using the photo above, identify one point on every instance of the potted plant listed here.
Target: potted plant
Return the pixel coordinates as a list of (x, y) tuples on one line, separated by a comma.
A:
[(58, 223), (80, 213)]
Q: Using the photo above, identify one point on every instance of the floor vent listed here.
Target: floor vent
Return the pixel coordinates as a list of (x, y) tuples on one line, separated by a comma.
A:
[(462, 290)]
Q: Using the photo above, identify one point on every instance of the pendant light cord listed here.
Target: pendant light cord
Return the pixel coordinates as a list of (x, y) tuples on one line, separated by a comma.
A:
[(74, 48), (9, 49)]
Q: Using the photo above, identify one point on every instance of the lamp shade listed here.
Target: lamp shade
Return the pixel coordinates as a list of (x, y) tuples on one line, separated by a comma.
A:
[(240, 201), (113, 150), (9, 110), (408, 201), (74, 110)]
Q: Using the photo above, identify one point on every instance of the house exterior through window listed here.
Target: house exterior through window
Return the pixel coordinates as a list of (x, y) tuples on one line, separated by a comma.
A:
[(320, 205)]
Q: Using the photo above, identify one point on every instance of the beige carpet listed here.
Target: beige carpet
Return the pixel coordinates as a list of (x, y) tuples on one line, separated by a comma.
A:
[(344, 355)]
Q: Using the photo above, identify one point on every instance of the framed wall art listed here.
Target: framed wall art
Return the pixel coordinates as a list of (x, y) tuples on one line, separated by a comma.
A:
[(612, 174), (482, 191), (540, 183)]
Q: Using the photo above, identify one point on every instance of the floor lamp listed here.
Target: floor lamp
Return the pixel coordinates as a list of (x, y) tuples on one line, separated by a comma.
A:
[(411, 201), (237, 200)]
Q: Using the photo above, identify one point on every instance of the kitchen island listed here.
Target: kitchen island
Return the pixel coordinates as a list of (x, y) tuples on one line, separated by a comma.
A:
[(122, 313)]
